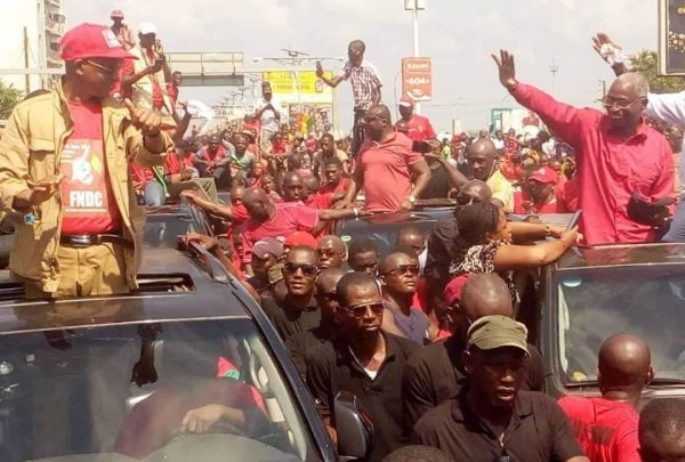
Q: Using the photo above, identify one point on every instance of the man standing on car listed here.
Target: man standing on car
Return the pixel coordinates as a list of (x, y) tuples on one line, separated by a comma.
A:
[(606, 427), (387, 165), (365, 362), (625, 168), (491, 419), (64, 161), (366, 87)]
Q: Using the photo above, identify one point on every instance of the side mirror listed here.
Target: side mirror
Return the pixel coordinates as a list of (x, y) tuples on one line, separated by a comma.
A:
[(354, 427)]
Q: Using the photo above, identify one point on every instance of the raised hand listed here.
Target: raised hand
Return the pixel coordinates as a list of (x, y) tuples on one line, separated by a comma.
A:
[(319, 69), (606, 48), (147, 120), (507, 69)]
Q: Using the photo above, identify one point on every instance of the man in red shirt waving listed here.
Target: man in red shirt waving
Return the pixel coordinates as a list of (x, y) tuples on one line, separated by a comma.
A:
[(64, 162), (625, 168), (607, 427), (418, 128)]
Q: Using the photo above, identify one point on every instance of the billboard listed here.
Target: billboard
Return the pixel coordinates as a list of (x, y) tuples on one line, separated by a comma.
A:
[(672, 37), (299, 87), (417, 78)]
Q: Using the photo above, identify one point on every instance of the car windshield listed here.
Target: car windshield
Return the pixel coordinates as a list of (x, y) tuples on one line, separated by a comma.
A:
[(198, 390), (648, 301), (383, 234)]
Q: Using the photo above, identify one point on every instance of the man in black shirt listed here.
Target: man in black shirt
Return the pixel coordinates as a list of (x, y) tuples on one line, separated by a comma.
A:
[(327, 299), (363, 256), (298, 311), (436, 372), (365, 361), (490, 419)]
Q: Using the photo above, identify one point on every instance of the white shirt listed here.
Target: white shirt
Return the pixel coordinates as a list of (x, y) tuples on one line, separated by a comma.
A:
[(670, 108), (268, 119)]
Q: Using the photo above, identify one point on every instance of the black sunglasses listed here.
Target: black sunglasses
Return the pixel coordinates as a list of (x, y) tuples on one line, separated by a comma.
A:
[(404, 269), (307, 270), (358, 311)]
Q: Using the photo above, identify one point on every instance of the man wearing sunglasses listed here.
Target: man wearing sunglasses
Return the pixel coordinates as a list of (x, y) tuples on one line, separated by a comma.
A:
[(434, 373), (400, 275), (298, 311), (621, 161), (64, 161), (365, 361), (491, 419), (328, 329)]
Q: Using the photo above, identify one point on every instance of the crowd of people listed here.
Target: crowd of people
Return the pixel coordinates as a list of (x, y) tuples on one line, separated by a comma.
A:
[(424, 335)]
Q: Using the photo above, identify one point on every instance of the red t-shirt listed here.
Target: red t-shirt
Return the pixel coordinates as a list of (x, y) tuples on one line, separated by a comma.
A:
[(387, 176), (89, 205), (523, 203), (288, 218), (176, 164), (606, 430), (141, 175), (568, 196), (419, 128), (172, 91)]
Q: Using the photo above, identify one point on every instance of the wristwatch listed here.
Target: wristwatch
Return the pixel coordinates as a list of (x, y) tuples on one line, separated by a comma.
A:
[(412, 199)]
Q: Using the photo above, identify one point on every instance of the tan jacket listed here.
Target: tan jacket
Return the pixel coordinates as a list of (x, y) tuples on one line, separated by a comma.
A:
[(142, 90), (31, 148)]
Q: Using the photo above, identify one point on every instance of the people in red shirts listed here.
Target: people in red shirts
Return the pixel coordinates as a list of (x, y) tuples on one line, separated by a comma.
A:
[(418, 128), (607, 427), (387, 166), (620, 158), (538, 193), (172, 86)]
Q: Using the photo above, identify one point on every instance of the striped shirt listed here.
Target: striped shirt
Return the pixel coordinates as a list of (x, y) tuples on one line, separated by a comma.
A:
[(366, 84)]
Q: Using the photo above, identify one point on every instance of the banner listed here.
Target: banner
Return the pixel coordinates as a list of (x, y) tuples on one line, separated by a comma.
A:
[(672, 37), (299, 87), (417, 78)]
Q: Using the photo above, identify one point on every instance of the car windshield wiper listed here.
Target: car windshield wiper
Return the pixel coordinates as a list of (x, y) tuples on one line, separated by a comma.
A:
[(581, 384), (667, 381)]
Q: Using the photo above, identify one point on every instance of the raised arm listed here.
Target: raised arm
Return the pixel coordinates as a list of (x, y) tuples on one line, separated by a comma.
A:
[(561, 118), (334, 82), (455, 177)]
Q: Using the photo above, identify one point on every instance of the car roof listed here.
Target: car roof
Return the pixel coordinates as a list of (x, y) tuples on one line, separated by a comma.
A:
[(173, 287), (622, 255)]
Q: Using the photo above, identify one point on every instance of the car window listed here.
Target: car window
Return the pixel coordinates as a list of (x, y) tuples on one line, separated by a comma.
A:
[(200, 390), (596, 303)]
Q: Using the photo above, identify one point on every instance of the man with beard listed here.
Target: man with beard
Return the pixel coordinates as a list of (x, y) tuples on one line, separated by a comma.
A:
[(625, 168), (399, 275), (387, 165), (332, 252), (365, 362), (434, 373), (298, 312), (327, 299), (491, 418)]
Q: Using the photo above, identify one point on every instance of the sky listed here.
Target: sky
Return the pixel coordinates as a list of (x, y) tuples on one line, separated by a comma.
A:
[(458, 35)]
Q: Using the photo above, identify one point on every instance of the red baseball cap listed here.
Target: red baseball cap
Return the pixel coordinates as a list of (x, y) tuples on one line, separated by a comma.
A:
[(117, 14), (454, 288), (406, 101), (92, 41), (544, 175), (301, 238)]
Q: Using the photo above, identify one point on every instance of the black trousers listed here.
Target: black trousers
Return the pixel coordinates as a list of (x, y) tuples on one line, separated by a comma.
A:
[(357, 131)]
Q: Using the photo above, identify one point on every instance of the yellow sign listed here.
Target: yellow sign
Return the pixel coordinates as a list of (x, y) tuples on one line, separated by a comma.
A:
[(299, 86)]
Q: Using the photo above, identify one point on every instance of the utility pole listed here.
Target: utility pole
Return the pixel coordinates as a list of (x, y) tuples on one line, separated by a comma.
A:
[(27, 77), (415, 6)]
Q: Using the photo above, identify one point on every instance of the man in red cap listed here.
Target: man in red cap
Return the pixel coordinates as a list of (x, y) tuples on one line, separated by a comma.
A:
[(418, 128), (538, 193), (121, 30), (64, 162)]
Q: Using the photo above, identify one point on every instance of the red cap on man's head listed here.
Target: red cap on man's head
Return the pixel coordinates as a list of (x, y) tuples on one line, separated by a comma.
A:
[(301, 238), (406, 101), (544, 175), (92, 41), (454, 288), (117, 14)]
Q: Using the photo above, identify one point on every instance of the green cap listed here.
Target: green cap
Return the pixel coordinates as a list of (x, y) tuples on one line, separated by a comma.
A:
[(490, 332)]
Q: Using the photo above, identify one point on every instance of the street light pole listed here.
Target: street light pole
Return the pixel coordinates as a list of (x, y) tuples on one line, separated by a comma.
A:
[(414, 6)]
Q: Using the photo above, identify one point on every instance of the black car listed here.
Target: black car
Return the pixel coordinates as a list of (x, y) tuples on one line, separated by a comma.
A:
[(592, 293), (134, 376)]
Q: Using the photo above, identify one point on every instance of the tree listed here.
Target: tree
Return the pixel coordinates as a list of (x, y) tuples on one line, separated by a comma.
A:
[(9, 97), (646, 62)]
